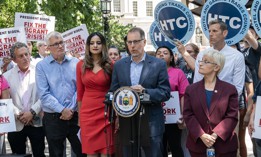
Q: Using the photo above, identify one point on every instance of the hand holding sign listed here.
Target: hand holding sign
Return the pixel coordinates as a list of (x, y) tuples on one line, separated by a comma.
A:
[(181, 48)]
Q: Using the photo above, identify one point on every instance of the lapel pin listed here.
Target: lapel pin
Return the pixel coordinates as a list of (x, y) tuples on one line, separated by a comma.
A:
[(215, 91)]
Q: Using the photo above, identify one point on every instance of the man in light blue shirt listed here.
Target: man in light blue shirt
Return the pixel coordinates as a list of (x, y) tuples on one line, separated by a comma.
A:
[(135, 70), (56, 84)]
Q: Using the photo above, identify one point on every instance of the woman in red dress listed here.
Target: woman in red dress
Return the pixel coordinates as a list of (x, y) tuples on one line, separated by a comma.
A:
[(93, 82)]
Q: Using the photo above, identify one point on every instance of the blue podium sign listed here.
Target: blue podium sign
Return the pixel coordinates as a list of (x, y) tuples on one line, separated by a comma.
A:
[(233, 13), (256, 16), (157, 39), (174, 20)]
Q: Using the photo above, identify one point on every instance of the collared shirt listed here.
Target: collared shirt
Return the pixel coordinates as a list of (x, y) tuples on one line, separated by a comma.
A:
[(56, 84), (135, 70), (233, 71), (24, 79), (41, 56)]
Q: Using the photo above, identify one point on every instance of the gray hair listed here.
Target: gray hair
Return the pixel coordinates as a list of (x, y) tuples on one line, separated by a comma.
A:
[(40, 43), (16, 46), (218, 58), (52, 34)]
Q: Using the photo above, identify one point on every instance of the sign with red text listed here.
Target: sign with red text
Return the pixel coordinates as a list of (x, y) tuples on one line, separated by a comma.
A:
[(36, 26), (7, 119), (9, 36), (75, 39), (257, 120), (171, 108)]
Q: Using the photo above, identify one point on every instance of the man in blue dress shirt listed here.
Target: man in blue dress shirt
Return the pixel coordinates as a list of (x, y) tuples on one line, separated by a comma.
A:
[(56, 84)]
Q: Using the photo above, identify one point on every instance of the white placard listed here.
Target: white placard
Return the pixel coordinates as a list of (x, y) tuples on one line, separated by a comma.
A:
[(75, 39), (257, 120), (8, 37), (171, 108), (7, 119), (36, 26)]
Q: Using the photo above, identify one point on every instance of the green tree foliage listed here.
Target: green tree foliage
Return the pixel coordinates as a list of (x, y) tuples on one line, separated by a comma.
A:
[(68, 14), (117, 32), (9, 7), (72, 13)]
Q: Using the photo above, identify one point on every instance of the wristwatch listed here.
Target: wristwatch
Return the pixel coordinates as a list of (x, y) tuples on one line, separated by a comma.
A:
[(33, 112)]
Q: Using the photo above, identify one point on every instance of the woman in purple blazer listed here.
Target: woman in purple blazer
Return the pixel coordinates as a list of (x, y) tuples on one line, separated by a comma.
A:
[(211, 110)]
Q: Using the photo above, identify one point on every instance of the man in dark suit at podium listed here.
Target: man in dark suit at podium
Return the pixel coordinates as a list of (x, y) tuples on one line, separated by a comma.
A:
[(144, 74)]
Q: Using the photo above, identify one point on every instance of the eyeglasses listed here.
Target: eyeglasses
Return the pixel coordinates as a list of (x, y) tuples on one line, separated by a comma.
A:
[(56, 45), (134, 42), (206, 62)]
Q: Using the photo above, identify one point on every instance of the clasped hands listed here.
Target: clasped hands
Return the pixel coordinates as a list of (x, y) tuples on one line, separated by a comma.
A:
[(138, 88), (67, 114), (25, 118), (209, 140)]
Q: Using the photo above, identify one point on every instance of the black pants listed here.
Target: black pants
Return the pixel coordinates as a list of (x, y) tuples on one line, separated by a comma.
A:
[(58, 130), (154, 150), (17, 140), (172, 138)]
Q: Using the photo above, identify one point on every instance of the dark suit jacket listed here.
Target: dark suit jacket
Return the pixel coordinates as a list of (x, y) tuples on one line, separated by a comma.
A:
[(154, 78), (221, 117)]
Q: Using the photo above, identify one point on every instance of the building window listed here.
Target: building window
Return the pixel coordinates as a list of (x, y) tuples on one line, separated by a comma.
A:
[(117, 5), (149, 8), (135, 8)]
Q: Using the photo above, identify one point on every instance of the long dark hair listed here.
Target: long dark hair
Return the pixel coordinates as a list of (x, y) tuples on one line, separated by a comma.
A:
[(105, 61), (172, 61)]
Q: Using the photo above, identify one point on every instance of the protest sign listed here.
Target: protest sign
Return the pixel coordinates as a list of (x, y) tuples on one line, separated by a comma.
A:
[(174, 20), (7, 119), (75, 39), (257, 120), (157, 39), (9, 36), (233, 13), (36, 26), (256, 16), (171, 108)]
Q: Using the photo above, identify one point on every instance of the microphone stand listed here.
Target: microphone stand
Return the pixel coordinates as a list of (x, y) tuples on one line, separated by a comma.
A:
[(144, 100), (108, 109)]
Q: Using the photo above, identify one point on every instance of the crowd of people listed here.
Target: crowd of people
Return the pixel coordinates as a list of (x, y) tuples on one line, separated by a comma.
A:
[(60, 96)]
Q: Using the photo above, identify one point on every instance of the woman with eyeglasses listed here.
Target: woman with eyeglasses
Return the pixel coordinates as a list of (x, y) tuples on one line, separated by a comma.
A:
[(178, 82), (211, 111), (93, 82)]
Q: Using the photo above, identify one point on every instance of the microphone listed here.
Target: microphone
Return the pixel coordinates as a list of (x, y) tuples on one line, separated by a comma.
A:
[(107, 102)]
